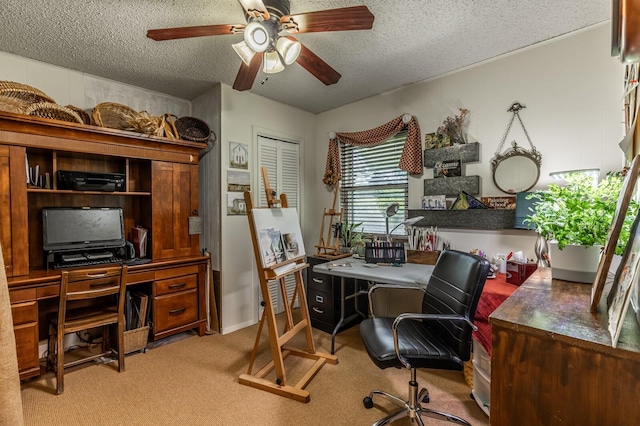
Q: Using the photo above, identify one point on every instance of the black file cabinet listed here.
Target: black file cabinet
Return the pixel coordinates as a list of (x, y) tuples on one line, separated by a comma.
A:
[(323, 299)]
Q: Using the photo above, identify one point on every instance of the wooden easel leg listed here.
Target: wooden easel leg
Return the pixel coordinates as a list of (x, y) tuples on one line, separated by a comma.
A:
[(257, 342)]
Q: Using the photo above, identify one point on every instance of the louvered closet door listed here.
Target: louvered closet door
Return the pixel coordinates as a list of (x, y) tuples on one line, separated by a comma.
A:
[(282, 160)]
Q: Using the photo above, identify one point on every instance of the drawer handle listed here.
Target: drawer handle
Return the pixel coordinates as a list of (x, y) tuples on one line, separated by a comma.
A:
[(177, 311), (315, 280), (94, 285), (320, 311), (179, 285)]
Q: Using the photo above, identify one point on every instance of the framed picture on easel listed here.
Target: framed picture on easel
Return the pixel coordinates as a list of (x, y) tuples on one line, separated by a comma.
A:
[(624, 282), (617, 223)]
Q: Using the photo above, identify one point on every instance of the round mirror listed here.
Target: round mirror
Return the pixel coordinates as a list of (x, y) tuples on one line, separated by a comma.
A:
[(516, 170)]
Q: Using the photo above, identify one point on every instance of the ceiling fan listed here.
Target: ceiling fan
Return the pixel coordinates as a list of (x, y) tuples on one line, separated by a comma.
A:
[(268, 37)]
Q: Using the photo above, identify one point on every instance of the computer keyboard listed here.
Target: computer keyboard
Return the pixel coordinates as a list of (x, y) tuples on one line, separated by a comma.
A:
[(86, 262)]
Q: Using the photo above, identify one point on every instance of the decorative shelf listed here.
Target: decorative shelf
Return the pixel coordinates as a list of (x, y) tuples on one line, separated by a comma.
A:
[(467, 153), (466, 219), (452, 186)]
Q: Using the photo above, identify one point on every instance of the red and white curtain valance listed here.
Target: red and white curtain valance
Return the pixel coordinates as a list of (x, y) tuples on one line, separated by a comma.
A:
[(410, 161)]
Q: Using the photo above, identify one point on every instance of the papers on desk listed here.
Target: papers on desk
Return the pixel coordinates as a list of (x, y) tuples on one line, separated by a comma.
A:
[(338, 264)]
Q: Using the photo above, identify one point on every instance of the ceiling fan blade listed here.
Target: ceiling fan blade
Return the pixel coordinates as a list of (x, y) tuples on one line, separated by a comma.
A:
[(247, 74), (199, 31), (255, 7), (316, 66), (343, 19)]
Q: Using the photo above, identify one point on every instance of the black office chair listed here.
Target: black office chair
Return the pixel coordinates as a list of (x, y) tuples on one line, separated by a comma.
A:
[(438, 338)]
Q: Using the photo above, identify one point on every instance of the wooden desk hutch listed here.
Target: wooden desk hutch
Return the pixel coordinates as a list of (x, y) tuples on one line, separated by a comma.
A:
[(161, 194)]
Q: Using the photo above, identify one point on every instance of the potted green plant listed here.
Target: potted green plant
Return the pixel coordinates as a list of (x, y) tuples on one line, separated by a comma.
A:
[(575, 219), (353, 240)]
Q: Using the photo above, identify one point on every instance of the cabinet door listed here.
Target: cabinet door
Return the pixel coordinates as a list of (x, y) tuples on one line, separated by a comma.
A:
[(174, 189), (13, 211)]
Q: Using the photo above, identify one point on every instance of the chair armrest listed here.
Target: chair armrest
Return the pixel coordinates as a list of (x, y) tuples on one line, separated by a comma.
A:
[(411, 316), (375, 287)]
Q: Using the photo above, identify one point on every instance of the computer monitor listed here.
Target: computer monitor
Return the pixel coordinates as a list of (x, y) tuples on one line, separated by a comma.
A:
[(80, 228)]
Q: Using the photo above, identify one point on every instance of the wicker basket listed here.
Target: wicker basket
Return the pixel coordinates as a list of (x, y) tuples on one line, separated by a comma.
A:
[(15, 105), (84, 115), (136, 339), (53, 111), (193, 129), (29, 94), (112, 115), (122, 117)]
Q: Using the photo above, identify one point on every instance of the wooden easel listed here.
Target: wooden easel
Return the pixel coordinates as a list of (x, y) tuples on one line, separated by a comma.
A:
[(327, 248), (278, 341)]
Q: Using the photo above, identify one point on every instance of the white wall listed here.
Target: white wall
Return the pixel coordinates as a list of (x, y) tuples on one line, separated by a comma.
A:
[(571, 87), (68, 87), (243, 116)]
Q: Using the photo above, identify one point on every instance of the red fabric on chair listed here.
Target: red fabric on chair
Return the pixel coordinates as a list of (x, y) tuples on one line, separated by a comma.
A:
[(494, 293)]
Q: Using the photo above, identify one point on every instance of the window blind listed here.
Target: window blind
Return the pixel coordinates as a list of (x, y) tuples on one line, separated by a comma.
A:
[(371, 181)]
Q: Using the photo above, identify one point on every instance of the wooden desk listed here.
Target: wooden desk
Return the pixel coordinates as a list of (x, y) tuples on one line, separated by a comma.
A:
[(411, 274), (177, 296), (552, 362)]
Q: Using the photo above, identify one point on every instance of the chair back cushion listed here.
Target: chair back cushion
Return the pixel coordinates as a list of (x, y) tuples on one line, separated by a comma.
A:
[(455, 287)]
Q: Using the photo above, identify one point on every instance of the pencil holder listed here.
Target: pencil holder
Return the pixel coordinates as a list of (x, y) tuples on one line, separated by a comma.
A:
[(384, 253), (423, 257)]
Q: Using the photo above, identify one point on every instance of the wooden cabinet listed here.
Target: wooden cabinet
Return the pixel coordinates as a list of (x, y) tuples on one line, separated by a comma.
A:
[(174, 194), (552, 362), (24, 310), (175, 300), (13, 210), (160, 193)]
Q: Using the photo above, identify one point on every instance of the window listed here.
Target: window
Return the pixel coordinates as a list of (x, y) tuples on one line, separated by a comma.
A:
[(371, 181)]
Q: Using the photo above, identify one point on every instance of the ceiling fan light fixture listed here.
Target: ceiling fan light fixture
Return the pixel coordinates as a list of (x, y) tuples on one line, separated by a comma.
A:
[(288, 49), (244, 51), (271, 63), (256, 36)]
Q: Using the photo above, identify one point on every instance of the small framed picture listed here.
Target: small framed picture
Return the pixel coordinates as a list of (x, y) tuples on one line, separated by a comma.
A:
[(238, 181), (238, 155), (236, 204)]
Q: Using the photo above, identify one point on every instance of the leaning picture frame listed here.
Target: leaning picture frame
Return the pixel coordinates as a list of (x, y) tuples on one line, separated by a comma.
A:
[(622, 206), (625, 280)]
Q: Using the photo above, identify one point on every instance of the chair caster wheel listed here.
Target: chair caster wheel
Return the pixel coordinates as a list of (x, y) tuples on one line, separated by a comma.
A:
[(367, 402)]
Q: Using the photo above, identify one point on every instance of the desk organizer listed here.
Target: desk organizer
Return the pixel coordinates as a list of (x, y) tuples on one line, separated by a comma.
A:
[(384, 253), (518, 272), (423, 257)]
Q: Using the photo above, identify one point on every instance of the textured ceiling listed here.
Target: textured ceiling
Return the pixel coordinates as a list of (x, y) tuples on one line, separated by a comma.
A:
[(411, 40)]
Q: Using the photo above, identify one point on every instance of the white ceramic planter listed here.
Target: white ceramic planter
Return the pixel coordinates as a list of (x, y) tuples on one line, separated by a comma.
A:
[(574, 263)]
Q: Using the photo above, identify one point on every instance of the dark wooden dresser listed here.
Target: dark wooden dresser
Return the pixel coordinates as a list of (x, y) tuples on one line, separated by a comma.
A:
[(552, 362)]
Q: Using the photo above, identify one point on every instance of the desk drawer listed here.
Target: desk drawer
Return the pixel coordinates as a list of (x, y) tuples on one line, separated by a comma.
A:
[(23, 313), (320, 306), (319, 282), (175, 310), (27, 349), (174, 285)]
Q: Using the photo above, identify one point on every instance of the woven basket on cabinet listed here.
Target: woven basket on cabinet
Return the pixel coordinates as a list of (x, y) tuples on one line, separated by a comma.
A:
[(11, 89), (53, 111), (193, 129)]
